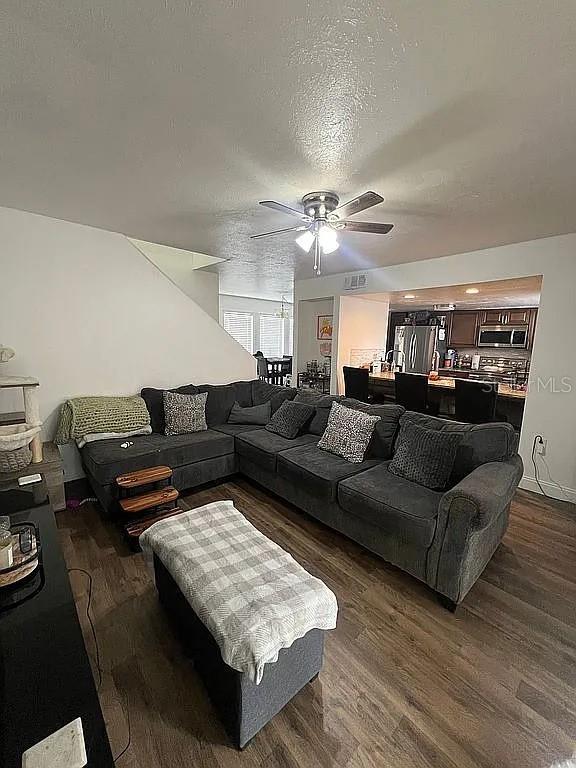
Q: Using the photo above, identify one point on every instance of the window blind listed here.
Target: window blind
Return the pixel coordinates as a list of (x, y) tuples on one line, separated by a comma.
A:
[(271, 335), (240, 325)]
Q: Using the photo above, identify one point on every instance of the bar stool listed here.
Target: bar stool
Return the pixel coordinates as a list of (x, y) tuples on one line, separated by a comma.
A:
[(412, 392), (475, 401)]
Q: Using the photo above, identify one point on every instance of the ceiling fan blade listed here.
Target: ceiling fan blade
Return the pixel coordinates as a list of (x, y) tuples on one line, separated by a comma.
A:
[(367, 226), (367, 200), (284, 209), (278, 232)]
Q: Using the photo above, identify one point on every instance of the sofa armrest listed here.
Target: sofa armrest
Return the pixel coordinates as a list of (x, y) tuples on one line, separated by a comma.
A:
[(472, 519), (485, 492)]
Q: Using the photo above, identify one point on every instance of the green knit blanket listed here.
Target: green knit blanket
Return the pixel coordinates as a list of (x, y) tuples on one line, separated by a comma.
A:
[(84, 415)]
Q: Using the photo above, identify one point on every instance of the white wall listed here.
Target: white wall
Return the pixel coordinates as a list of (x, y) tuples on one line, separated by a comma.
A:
[(550, 408), (306, 323), (256, 307), (199, 285), (88, 314), (362, 324)]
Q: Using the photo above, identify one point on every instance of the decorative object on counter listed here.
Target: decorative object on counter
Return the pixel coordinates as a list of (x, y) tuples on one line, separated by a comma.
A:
[(29, 386), (325, 327), (6, 353)]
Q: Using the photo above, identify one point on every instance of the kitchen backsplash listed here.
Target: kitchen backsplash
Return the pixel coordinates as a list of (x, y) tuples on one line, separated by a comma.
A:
[(516, 354)]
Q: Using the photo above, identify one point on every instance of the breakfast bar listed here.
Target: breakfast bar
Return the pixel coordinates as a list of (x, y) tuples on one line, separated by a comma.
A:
[(510, 400)]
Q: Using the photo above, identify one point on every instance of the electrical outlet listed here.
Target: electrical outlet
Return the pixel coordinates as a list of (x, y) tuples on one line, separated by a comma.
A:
[(541, 445)]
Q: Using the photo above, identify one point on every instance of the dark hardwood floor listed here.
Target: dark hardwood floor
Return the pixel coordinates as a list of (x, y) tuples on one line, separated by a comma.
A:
[(405, 683)]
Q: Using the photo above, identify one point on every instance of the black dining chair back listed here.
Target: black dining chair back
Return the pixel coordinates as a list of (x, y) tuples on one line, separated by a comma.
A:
[(356, 383), (262, 367), (475, 401), (412, 391)]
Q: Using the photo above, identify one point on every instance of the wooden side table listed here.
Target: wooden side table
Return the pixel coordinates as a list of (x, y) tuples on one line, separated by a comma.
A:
[(52, 472)]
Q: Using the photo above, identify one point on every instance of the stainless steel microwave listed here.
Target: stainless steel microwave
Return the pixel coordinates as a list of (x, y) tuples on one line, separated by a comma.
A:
[(511, 336)]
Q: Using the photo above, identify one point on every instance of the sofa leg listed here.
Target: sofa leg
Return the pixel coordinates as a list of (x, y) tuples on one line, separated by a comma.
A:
[(445, 602)]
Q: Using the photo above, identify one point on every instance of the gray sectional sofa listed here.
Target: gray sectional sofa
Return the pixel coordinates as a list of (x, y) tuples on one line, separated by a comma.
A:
[(445, 539)]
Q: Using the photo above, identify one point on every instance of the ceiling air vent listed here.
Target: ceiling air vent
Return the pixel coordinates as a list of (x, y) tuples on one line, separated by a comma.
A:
[(355, 282), (443, 307)]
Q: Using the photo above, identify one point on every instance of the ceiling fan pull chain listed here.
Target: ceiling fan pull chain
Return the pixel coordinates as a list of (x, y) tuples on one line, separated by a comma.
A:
[(317, 255)]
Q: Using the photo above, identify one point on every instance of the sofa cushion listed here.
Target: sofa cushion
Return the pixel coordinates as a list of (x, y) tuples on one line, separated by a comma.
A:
[(263, 392), (188, 449), (425, 456), (480, 443), (317, 472), (243, 390), (155, 404), (320, 419), (262, 447), (221, 398), (290, 419), (235, 429), (386, 429), (106, 459), (184, 414), (348, 433), (406, 510), (253, 414)]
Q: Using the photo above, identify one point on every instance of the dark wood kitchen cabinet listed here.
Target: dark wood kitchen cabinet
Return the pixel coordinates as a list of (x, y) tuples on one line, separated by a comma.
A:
[(463, 329), (505, 317)]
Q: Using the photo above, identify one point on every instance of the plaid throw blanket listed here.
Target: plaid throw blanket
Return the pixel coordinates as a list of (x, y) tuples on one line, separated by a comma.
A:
[(253, 597), (82, 416)]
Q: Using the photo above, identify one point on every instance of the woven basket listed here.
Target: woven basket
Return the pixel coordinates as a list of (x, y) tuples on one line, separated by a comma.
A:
[(12, 461)]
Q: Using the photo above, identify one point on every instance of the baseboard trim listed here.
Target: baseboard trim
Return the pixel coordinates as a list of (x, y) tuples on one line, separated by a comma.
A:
[(562, 493)]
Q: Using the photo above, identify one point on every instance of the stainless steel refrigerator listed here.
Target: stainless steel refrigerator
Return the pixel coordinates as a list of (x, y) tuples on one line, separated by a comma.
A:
[(414, 347)]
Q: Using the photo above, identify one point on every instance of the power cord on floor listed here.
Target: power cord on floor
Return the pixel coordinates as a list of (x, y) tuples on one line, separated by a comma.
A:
[(89, 617), (97, 659), (539, 440)]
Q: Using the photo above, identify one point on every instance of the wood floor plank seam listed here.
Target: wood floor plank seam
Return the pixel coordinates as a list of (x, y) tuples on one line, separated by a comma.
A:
[(405, 683)]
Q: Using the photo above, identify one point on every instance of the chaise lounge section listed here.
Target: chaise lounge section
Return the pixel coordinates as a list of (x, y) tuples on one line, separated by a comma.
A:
[(443, 538)]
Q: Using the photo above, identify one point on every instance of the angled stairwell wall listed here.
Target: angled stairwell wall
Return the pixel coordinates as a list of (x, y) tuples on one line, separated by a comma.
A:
[(88, 314)]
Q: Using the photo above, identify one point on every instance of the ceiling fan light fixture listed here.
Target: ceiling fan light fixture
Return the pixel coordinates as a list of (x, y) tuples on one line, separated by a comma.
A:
[(328, 239), (305, 241)]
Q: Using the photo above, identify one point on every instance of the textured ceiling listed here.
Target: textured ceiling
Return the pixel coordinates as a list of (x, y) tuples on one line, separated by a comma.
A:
[(519, 292), (169, 121)]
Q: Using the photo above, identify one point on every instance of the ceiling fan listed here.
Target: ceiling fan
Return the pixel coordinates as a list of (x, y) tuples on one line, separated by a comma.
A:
[(322, 216)]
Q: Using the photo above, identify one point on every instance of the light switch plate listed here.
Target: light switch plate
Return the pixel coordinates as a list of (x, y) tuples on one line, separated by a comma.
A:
[(62, 749)]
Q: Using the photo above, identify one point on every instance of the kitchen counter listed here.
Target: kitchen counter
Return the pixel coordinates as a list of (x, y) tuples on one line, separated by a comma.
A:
[(504, 390)]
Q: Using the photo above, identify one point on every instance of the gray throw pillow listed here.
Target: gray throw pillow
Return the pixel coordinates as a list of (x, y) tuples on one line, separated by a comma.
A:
[(290, 419), (348, 433), (184, 413), (253, 414), (425, 456)]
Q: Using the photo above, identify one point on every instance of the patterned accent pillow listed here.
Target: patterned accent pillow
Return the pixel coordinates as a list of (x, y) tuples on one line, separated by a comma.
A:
[(184, 413), (425, 456), (290, 419), (348, 433)]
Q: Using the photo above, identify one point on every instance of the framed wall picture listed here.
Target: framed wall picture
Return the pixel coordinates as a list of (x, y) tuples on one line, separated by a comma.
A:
[(324, 331)]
